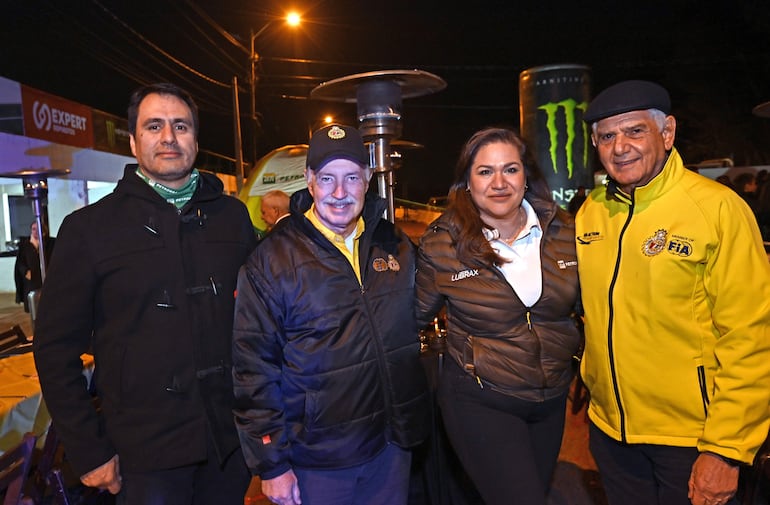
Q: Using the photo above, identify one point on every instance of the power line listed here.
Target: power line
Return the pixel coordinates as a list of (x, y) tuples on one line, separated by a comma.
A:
[(157, 48), (218, 28), (232, 66)]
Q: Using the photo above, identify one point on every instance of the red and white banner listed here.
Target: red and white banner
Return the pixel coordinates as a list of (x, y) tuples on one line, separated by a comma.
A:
[(48, 117)]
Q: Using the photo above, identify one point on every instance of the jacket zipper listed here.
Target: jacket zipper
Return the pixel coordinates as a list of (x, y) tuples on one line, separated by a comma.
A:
[(528, 314), (363, 247), (534, 334), (610, 336), (376, 337)]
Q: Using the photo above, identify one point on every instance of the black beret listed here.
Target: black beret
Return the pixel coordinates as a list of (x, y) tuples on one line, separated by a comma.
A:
[(628, 96), (333, 142)]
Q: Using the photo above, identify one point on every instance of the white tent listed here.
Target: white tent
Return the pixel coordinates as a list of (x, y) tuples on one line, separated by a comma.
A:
[(282, 169)]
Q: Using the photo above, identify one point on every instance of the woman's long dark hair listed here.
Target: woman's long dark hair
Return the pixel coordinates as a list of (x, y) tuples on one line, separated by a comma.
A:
[(472, 246)]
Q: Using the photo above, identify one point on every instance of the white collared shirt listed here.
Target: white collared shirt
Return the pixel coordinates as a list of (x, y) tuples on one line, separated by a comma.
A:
[(523, 269)]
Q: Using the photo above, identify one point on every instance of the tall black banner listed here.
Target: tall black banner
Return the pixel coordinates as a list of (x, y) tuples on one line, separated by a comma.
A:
[(552, 100)]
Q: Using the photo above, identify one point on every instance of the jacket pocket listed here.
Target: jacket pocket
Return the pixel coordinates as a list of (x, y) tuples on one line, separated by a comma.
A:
[(469, 363), (703, 388), (127, 241), (310, 411)]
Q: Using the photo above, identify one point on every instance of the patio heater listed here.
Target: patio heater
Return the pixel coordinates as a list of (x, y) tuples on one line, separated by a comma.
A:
[(379, 96)]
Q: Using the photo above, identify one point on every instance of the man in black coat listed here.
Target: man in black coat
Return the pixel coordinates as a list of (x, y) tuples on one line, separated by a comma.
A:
[(145, 279)]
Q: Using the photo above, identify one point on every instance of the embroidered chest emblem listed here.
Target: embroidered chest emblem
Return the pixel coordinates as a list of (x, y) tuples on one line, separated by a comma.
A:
[(393, 263), (381, 265), (655, 244)]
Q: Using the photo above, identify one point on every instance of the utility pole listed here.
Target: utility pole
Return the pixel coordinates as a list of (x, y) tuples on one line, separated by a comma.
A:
[(238, 137)]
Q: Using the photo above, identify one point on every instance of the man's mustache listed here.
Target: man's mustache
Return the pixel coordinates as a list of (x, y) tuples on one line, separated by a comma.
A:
[(333, 201)]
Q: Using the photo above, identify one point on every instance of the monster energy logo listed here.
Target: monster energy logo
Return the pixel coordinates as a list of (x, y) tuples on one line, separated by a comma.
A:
[(569, 106)]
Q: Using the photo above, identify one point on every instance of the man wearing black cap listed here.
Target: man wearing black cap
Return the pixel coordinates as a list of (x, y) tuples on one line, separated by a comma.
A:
[(329, 388), (676, 291)]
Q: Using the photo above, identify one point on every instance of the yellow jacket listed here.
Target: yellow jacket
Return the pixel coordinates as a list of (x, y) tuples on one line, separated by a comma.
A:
[(676, 289)]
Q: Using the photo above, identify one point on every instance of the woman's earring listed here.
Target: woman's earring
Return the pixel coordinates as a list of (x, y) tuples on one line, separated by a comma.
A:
[(526, 187)]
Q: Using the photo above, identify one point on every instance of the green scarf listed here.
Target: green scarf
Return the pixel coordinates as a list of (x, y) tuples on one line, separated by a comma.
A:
[(176, 197)]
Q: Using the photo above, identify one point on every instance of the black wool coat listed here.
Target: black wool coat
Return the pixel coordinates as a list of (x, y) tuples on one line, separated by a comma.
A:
[(149, 289)]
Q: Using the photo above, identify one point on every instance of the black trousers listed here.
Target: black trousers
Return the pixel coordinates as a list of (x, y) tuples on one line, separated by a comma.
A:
[(204, 483), (643, 474), (508, 446)]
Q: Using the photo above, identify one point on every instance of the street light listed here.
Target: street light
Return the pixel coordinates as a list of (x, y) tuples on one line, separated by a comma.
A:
[(292, 19), (312, 126)]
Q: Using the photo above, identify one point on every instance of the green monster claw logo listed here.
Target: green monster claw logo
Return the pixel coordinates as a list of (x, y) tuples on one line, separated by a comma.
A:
[(569, 105)]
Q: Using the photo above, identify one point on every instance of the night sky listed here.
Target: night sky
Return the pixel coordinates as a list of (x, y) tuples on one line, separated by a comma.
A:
[(714, 57)]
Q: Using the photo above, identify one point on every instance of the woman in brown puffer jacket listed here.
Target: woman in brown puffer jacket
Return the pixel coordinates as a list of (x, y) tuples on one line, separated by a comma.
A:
[(501, 259)]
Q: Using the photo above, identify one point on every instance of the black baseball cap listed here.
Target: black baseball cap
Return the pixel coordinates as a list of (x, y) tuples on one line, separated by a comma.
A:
[(334, 142), (628, 96)]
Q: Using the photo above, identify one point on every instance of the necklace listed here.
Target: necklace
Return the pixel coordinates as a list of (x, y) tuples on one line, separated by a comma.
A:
[(520, 226)]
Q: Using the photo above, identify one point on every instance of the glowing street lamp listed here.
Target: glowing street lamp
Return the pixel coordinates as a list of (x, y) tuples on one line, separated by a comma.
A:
[(292, 19)]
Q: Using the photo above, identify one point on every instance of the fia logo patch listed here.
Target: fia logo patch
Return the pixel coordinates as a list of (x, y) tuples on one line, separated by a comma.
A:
[(679, 246)]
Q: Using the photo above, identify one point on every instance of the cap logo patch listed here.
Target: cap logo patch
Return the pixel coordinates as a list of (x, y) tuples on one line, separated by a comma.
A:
[(336, 133)]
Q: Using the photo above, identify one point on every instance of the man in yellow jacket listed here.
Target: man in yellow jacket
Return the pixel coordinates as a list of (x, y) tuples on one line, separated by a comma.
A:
[(676, 290)]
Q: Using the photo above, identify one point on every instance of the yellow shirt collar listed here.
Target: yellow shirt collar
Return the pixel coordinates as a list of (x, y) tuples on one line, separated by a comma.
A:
[(348, 246), (333, 237)]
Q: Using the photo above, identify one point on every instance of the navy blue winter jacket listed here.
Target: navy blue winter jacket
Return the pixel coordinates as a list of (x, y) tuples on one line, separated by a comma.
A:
[(326, 370)]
